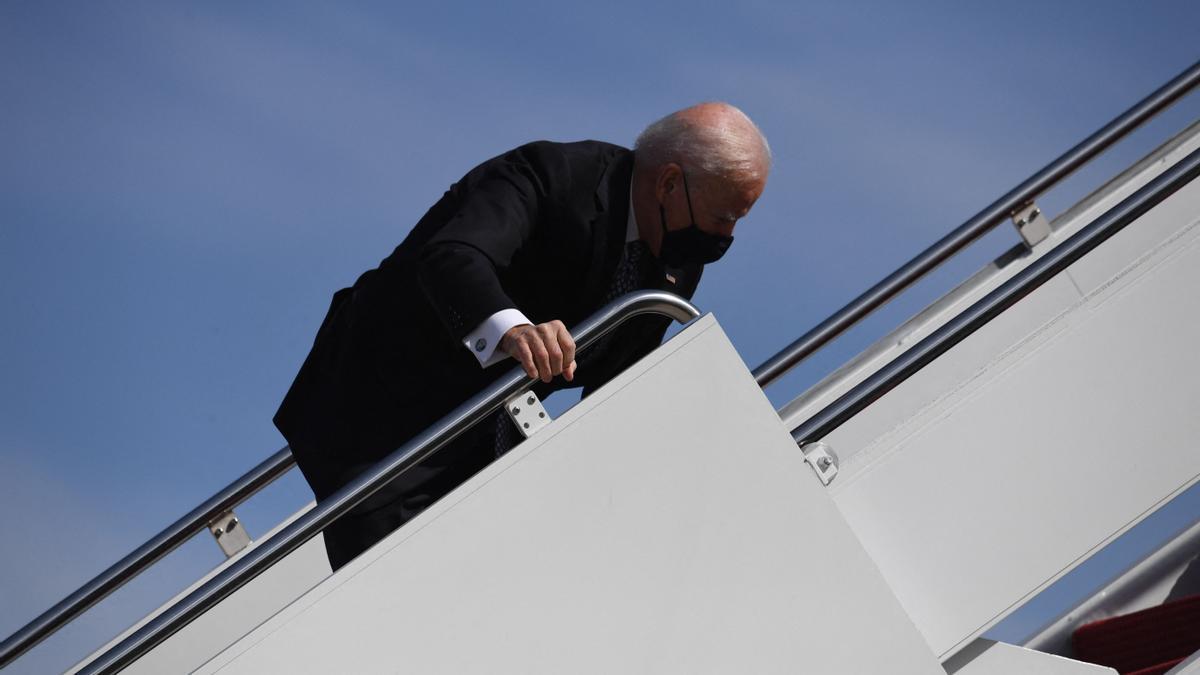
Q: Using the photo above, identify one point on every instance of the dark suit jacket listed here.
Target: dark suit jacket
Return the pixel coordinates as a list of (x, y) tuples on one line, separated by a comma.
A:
[(540, 228)]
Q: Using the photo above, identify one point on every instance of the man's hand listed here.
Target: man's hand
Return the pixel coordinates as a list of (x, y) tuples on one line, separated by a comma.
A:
[(544, 350)]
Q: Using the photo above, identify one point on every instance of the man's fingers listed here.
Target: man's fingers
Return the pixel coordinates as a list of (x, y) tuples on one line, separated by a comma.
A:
[(567, 345), (516, 344), (549, 333), (525, 356), (556, 358), (544, 350), (541, 358)]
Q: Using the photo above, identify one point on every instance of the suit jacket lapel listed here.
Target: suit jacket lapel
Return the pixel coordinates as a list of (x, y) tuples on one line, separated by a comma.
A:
[(608, 229)]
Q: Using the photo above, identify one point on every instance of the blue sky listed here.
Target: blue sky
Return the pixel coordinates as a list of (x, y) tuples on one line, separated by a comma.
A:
[(184, 186)]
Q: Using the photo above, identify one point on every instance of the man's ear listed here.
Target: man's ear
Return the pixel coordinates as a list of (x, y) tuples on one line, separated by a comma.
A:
[(667, 181)]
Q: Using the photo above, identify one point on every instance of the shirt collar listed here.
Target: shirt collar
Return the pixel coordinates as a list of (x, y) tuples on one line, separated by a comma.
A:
[(631, 229)]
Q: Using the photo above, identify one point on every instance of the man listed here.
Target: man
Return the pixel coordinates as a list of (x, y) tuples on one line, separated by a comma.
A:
[(525, 246)]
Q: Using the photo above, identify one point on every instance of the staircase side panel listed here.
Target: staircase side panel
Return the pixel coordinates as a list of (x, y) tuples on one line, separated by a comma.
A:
[(1006, 462), (665, 524)]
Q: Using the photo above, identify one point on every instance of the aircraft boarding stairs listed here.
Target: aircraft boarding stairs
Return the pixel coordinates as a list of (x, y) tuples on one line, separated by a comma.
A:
[(882, 522)]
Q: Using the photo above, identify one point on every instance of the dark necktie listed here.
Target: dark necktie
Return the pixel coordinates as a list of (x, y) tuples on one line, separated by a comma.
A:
[(632, 272)]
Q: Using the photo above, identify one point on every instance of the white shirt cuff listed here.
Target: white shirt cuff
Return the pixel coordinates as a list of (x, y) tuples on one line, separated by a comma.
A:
[(486, 337)]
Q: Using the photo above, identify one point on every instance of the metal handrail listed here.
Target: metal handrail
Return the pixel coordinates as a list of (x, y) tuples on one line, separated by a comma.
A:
[(816, 427), (1006, 295), (766, 373), (145, 555), (271, 550), (981, 223)]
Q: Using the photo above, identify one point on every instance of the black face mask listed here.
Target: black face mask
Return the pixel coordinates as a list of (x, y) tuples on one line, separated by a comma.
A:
[(690, 245)]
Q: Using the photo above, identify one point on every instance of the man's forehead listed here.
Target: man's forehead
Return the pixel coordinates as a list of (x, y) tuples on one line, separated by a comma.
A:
[(734, 202)]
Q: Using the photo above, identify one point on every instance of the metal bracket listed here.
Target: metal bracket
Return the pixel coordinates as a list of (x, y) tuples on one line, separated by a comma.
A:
[(822, 459), (526, 411), (1031, 224), (230, 534)]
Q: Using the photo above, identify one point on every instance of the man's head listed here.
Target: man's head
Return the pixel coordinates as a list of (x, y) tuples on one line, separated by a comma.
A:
[(706, 165)]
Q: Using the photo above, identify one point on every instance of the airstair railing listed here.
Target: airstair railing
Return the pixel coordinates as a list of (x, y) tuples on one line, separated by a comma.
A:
[(1007, 206), (248, 485), (991, 305), (819, 425), (766, 373), (145, 555), (269, 551)]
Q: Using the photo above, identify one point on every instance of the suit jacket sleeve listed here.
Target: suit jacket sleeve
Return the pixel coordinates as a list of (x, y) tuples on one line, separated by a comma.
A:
[(497, 212)]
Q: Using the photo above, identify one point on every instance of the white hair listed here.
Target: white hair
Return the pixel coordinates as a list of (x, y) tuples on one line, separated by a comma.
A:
[(732, 149)]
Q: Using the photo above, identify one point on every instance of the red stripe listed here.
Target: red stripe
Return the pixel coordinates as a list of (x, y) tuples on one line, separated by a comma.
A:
[(1160, 669), (1143, 640)]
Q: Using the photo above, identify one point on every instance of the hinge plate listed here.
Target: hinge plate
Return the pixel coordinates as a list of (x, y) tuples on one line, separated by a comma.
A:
[(526, 411), (822, 459), (230, 534), (1031, 224)]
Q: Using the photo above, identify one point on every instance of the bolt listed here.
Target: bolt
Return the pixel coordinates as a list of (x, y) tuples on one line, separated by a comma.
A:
[(824, 462), (541, 414), (527, 425), (516, 410), (232, 523), (218, 532), (529, 400)]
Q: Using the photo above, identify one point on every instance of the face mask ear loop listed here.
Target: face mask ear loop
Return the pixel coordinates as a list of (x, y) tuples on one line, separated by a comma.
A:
[(687, 193)]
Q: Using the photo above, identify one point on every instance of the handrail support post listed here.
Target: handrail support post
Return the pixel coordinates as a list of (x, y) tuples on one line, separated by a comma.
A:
[(822, 459), (527, 413), (230, 533), (1031, 224)]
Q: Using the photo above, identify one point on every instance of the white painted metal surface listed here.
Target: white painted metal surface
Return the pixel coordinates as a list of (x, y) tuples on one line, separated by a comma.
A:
[(254, 603), (668, 523), (998, 658), (1063, 422)]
